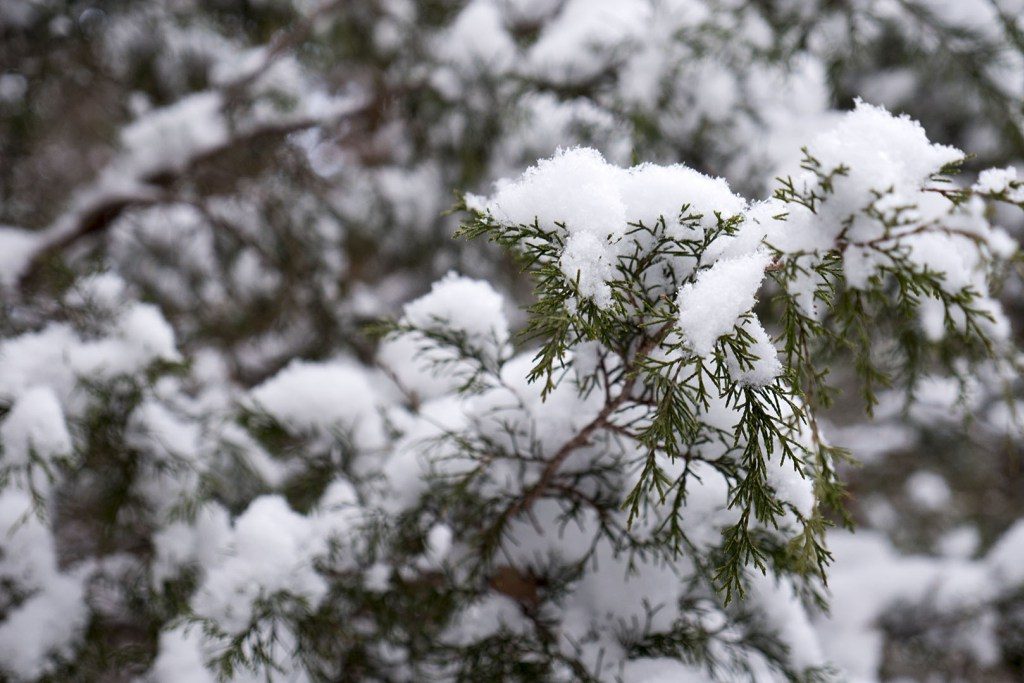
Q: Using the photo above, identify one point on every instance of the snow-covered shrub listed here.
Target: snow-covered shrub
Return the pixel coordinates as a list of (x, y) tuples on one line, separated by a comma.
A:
[(625, 464)]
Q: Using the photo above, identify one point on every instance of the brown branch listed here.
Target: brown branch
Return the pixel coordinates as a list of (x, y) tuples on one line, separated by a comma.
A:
[(582, 438), (99, 214), (102, 211)]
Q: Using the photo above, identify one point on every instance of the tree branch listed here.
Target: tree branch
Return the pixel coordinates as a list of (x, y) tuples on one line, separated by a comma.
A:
[(582, 438)]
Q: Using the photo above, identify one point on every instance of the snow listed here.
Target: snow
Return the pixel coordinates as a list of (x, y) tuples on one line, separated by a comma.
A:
[(403, 360), (269, 552), (650, 192), (705, 512), (928, 490), (592, 204), (880, 151), (869, 578), (17, 247), (663, 80), (141, 336), (576, 188), (1002, 182), (587, 261), (960, 543), (35, 428), (995, 180), (1006, 558), (181, 657), (544, 121), (168, 138), (478, 40), (315, 397), (155, 427), (438, 545), (48, 623), (661, 670), (484, 618), (711, 305), (791, 485), (56, 356), (54, 615), (29, 558), (585, 36), (13, 87), (764, 367), (186, 543), (779, 602), (466, 306), (885, 161)]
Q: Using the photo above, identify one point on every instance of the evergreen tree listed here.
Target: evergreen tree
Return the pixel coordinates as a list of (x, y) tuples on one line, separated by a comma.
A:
[(646, 424)]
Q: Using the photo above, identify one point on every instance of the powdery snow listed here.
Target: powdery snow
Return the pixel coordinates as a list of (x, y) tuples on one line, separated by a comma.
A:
[(589, 262), (593, 204), (466, 306), (315, 397), (576, 188), (765, 365), (712, 304)]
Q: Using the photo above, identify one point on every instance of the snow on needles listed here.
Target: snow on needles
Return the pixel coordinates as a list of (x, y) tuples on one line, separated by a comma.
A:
[(867, 178), (594, 204), (710, 306)]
